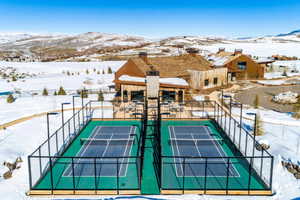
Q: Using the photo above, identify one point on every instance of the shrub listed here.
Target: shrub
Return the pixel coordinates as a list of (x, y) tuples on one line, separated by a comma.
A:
[(61, 91), (109, 71), (45, 92), (10, 99)]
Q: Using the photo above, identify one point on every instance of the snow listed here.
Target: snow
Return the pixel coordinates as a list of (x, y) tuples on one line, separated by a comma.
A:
[(286, 97), (218, 60), (171, 81)]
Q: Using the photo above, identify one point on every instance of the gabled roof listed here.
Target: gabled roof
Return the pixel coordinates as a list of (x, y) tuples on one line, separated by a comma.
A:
[(173, 66)]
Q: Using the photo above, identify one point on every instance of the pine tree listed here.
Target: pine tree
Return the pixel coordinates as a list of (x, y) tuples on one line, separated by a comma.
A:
[(100, 96), (10, 99), (68, 73), (61, 91), (94, 69), (45, 92), (98, 72), (87, 71), (109, 71), (259, 125), (55, 93), (256, 102), (103, 72), (14, 78)]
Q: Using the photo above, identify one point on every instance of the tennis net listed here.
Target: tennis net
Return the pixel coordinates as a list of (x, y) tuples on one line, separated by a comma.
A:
[(114, 141)]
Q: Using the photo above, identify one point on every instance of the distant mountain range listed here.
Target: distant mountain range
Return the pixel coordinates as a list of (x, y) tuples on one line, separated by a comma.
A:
[(49, 47)]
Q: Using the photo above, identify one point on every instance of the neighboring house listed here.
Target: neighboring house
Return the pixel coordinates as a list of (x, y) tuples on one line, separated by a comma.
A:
[(178, 76), (266, 62), (239, 65)]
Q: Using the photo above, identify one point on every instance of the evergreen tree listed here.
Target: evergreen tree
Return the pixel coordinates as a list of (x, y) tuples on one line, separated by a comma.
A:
[(103, 72), (87, 71), (61, 91), (55, 93), (256, 102), (10, 99), (259, 125), (109, 71), (100, 96), (94, 69), (13, 78), (45, 92), (68, 73), (98, 72)]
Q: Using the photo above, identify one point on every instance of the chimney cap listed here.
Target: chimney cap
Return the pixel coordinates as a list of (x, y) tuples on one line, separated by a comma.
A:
[(221, 49), (238, 51)]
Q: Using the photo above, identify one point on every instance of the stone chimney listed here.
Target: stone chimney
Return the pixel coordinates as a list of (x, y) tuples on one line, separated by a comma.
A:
[(221, 50), (192, 51), (238, 51), (144, 57)]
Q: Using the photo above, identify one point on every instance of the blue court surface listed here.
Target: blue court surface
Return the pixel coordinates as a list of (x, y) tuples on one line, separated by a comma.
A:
[(107, 143), (199, 141)]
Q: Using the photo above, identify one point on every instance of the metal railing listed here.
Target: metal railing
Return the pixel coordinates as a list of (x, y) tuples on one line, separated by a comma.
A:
[(256, 162), (50, 163)]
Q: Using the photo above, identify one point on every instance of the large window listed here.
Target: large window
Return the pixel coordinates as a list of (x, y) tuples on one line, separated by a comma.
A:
[(242, 65), (206, 82)]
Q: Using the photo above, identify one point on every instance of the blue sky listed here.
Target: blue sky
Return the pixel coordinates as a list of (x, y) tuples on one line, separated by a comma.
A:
[(152, 18)]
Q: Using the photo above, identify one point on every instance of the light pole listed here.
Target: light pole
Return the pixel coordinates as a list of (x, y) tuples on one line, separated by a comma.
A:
[(82, 96), (48, 130), (73, 100), (62, 119)]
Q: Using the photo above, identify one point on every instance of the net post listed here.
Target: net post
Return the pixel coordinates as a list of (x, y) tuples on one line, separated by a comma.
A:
[(234, 131), (73, 174), (117, 175), (95, 173)]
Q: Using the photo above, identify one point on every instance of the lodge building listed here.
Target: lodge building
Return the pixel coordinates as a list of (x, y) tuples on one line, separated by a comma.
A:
[(184, 74)]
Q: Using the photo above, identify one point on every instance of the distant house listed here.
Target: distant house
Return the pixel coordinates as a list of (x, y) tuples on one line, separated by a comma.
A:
[(239, 65), (179, 75)]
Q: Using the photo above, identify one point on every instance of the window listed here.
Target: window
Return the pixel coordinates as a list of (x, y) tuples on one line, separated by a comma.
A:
[(180, 96), (242, 65), (215, 81), (125, 95), (233, 76), (168, 95), (137, 95), (206, 82)]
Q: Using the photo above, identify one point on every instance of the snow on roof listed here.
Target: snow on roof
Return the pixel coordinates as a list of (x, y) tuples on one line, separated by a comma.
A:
[(218, 60), (264, 60), (171, 81)]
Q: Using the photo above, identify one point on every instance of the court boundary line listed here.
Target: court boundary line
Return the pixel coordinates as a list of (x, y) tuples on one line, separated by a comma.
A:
[(100, 127), (205, 127)]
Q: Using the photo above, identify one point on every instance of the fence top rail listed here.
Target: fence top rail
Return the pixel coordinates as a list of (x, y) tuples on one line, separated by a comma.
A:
[(215, 157), (85, 157)]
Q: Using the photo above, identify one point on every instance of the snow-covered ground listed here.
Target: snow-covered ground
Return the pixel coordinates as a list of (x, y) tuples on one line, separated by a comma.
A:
[(282, 131)]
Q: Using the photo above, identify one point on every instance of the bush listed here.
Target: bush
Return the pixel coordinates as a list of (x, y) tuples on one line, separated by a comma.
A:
[(61, 91), (109, 71), (45, 92), (10, 99), (100, 96)]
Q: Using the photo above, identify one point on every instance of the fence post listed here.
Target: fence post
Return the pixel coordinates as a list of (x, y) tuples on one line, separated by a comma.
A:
[(95, 172), (56, 142), (205, 175), (40, 161), (183, 177), (29, 170), (249, 171), (51, 174), (271, 172), (73, 174), (117, 175), (227, 174)]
